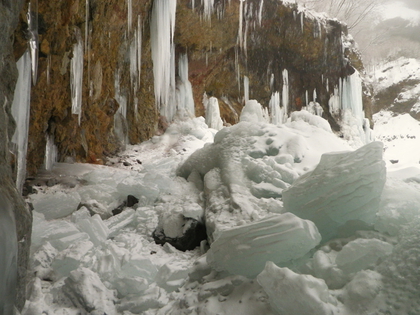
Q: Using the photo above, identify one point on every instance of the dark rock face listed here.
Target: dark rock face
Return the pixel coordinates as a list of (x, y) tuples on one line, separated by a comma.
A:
[(9, 11), (193, 233)]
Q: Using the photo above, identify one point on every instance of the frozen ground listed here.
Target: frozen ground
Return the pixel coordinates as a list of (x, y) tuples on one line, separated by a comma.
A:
[(89, 261)]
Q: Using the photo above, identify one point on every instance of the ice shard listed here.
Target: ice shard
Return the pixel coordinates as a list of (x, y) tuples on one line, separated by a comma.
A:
[(343, 187), (32, 17), (76, 76)]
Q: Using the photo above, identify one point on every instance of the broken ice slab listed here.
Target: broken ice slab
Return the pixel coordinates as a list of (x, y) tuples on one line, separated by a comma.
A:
[(130, 285), (44, 231), (57, 205), (172, 275), (64, 242), (343, 187), (139, 266), (291, 293), (361, 254), (85, 286), (133, 186), (71, 258), (153, 298), (95, 228), (245, 249), (120, 221)]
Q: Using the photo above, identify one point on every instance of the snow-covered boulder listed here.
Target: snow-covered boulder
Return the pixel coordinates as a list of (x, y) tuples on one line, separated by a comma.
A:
[(245, 249), (344, 187)]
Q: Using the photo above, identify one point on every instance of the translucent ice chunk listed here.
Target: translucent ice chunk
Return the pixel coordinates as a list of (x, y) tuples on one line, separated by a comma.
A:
[(70, 259), (64, 242), (58, 205), (120, 221), (131, 285), (86, 287), (172, 275), (291, 293), (244, 250), (344, 186), (95, 228), (362, 253)]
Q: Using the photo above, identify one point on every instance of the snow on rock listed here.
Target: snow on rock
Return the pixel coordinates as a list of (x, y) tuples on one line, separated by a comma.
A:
[(87, 288), (343, 187), (291, 293), (245, 249), (361, 254), (249, 165)]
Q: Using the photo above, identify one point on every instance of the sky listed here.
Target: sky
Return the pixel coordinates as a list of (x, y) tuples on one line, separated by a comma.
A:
[(406, 9)]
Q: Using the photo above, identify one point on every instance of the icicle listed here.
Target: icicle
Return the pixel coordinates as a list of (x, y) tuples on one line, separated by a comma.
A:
[(246, 88), (301, 21), (50, 153), (130, 15), (48, 69), (272, 82), (76, 76), (86, 25), (162, 29), (240, 34), (285, 94), (133, 52), (20, 111), (185, 99), (306, 97), (120, 118), (208, 9), (32, 17), (334, 102), (276, 113), (351, 95), (314, 96), (139, 46)]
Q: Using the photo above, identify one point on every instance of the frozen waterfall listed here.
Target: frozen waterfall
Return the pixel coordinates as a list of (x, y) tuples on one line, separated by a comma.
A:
[(20, 112)]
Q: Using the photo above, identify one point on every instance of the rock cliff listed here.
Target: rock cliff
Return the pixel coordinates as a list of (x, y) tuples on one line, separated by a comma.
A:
[(9, 196), (274, 46)]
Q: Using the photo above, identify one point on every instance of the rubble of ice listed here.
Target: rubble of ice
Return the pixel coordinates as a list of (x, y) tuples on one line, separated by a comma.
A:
[(259, 257)]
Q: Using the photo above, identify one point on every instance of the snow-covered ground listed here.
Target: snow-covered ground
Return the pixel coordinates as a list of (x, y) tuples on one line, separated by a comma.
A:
[(89, 259)]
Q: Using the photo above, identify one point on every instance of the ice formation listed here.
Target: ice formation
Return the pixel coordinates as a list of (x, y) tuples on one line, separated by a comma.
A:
[(252, 112), (8, 255), (162, 27), (76, 76), (50, 153), (245, 249), (213, 119), (244, 178), (330, 199), (32, 17), (20, 111), (185, 100)]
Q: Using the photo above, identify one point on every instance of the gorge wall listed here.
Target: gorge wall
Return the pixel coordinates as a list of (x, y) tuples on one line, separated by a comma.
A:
[(15, 219), (107, 45)]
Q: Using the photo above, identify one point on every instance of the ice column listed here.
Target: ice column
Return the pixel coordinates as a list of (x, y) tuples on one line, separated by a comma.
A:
[(246, 88), (208, 8), (185, 100), (50, 153), (213, 119), (162, 29), (120, 118), (20, 112), (76, 76), (32, 17), (285, 94), (276, 113), (8, 253), (351, 95)]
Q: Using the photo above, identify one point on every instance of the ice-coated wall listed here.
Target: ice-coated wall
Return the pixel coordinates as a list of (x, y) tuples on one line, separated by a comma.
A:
[(8, 255)]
